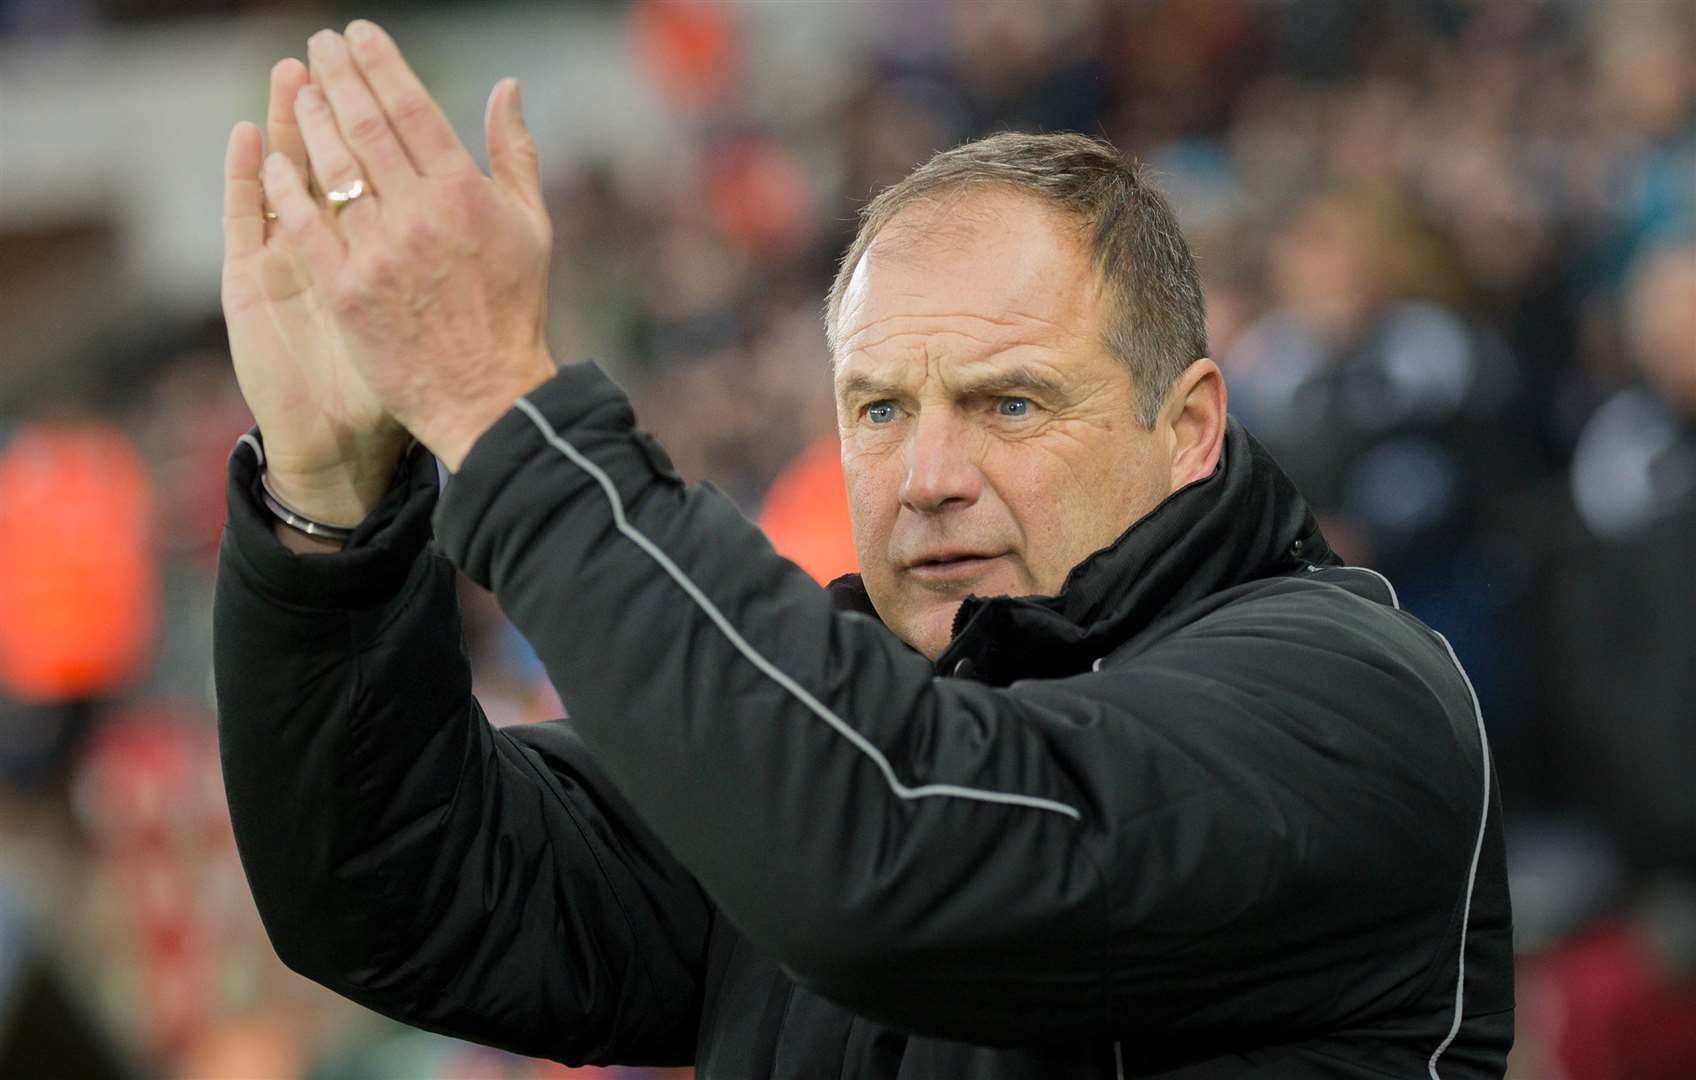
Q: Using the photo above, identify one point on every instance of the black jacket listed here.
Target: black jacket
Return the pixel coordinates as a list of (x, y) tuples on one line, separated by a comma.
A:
[(1218, 810)]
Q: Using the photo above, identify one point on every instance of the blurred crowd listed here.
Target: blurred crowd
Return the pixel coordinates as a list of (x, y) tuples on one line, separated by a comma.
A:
[(1449, 250)]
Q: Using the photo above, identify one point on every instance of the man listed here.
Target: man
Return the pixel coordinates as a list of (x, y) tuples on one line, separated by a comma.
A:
[(1105, 767)]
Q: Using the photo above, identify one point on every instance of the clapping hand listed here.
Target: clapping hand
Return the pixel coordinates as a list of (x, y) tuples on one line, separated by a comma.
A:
[(418, 283), (331, 446)]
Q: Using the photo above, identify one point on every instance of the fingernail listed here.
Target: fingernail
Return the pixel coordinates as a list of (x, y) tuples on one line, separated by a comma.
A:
[(320, 41), (309, 98), (360, 32)]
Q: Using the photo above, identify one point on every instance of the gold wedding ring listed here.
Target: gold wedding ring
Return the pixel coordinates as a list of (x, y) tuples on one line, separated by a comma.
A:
[(339, 200)]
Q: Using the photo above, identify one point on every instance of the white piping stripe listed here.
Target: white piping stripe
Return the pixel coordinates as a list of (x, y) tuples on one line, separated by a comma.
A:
[(258, 451), (1118, 1061), (800, 693), (1483, 820), (1472, 873), (1395, 601)]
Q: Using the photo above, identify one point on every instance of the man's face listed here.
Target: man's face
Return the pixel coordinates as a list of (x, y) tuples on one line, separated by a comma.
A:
[(989, 441)]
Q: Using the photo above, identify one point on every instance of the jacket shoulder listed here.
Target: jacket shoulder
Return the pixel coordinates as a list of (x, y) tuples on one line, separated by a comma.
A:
[(1347, 614), (1328, 649)]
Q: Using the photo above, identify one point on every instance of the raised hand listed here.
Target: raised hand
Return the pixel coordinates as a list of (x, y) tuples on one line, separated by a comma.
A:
[(434, 274), (331, 447)]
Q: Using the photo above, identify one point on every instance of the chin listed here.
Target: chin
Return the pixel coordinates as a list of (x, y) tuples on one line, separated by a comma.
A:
[(932, 630)]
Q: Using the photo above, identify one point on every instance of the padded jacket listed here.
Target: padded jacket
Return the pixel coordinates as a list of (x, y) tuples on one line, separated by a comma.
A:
[(1218, 809)]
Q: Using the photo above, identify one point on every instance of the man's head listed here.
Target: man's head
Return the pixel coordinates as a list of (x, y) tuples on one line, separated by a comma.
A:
[(1019, 353)]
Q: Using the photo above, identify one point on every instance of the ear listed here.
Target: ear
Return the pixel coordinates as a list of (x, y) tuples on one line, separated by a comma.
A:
[(1193, 421)]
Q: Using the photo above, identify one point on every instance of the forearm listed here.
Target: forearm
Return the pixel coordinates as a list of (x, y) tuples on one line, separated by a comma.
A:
[(403, 852), (302, 709)]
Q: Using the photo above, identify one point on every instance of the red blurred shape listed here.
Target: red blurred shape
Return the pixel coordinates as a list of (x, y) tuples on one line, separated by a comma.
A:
[(148, 780), (1614, 1013)]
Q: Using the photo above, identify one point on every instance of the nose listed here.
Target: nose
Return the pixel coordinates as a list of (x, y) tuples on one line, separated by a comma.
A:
[(942, 469)]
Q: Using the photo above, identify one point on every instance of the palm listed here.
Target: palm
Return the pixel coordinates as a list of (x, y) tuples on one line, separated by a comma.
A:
[(292, 367), (321, 423)]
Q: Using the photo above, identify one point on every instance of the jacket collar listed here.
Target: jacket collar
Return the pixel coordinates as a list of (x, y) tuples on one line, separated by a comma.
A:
[(1245, 521)]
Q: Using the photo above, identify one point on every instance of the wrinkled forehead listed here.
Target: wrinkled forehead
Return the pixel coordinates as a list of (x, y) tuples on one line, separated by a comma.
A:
[(997, 268)]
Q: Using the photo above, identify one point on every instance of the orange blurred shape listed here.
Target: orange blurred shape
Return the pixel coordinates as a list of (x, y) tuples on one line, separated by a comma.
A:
[(78, 590), (688, 48), (806, 513)]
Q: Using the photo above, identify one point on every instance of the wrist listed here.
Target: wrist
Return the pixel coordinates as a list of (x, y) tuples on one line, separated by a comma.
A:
[(452, 433), (302, 544), (342, 494)]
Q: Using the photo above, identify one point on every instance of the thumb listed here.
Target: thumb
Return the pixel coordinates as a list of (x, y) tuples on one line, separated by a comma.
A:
[(513, 160)]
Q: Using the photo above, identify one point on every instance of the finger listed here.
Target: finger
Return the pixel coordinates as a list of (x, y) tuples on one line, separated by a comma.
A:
[(244, 205), (332, 162), (513, 160), (282, 133), (416, 118), (364, 127), (305, 225)]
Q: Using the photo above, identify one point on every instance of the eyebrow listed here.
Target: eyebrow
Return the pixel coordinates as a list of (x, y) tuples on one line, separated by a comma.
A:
[(1011, 380)]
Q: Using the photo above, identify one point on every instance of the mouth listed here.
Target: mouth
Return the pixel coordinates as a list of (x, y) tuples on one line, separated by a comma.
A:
[(947, 569)]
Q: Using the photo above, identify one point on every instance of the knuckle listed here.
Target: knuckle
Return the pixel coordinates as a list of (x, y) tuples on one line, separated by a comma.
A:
[(368, 127), (347, 292), (469, 186), (417, 221), (371, 271), (379, 265), (412, 108), (418, 236)]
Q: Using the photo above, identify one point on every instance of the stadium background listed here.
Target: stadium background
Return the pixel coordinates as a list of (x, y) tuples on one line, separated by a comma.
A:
[(1448, 253)]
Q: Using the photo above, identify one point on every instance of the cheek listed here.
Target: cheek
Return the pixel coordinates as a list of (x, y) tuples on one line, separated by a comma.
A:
[(871, 504), (1070, 506), (1042, 495)]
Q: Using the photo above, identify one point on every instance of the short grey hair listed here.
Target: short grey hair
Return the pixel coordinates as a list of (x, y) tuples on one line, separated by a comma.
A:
[(1158, 326)]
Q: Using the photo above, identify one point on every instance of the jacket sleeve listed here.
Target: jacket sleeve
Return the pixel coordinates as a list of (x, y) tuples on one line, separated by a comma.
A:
[(1083, 857), (480, 883)]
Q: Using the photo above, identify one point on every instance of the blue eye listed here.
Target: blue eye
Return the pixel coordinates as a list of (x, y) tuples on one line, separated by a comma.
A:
[(1013, 406), (880, 412)]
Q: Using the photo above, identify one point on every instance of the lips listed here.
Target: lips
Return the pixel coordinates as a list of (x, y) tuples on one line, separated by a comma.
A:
[(942, 568)]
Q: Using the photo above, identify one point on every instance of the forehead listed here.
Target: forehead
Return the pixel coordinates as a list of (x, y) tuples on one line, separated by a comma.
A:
[(973, 274)]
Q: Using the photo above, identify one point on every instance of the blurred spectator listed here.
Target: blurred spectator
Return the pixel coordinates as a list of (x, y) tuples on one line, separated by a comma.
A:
[(1609, 629), (1399, 419), (1635, 461), (1612, 618)]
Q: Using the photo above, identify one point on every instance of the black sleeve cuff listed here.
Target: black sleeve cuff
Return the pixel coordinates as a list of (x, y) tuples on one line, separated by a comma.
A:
[(373, 566), (511, 466)]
